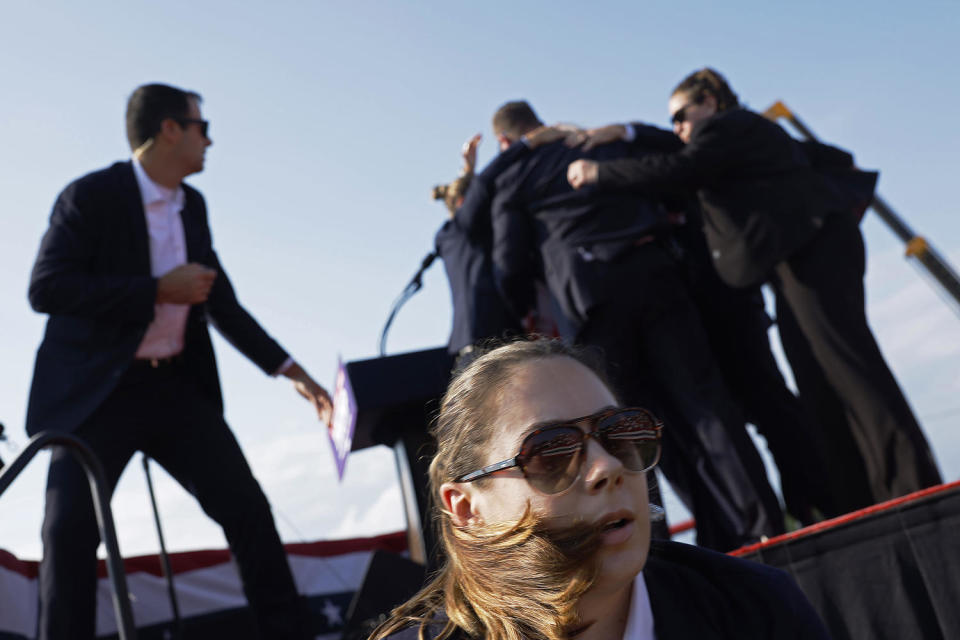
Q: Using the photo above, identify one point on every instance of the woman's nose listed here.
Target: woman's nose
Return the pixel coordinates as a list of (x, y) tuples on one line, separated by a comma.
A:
[(603, 470)]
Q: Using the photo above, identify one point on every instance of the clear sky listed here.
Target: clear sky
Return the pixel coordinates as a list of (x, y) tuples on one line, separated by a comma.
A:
[(331, 121)]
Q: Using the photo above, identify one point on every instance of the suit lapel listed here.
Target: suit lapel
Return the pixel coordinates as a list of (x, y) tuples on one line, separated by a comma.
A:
[(192, 229), (676, 606), (137, 217)]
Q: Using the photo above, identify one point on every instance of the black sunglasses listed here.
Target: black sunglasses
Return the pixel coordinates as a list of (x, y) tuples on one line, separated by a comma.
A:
[(204, 124), (680, 115), (551, 457)]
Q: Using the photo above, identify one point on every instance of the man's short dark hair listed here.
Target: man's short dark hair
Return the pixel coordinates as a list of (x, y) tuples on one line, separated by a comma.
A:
[(149, 105), (514, 119)]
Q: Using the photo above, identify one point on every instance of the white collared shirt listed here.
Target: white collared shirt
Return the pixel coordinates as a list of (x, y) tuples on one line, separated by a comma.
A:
[(640, 620), (168, 249)]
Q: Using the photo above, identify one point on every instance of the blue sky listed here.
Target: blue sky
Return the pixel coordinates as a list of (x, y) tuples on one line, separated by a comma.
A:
[(331, 121)]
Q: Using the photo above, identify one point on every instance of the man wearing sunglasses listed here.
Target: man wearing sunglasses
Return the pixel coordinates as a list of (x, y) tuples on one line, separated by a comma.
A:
[(130, 280)]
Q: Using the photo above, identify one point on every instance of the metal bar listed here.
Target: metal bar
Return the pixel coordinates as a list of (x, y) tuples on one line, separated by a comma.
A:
[(895, 222), (939, 269), (164, 556), (101, 506), (416, 544)]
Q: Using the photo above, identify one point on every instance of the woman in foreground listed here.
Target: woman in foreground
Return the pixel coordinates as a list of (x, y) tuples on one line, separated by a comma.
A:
[(540, 484)]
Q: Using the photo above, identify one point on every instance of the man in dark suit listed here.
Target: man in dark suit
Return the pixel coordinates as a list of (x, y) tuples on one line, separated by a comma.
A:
[(464, 242), (620, 291), (128, 275), (781, 213)]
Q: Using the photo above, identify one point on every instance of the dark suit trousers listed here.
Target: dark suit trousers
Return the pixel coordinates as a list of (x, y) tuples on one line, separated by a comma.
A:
[(658, 356), (843, 466), (736, 325), (162, 413), (823, 286)]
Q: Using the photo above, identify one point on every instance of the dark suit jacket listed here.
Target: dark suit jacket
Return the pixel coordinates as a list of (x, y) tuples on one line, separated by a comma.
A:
[(703, 595), (762, 199), (464, 242), (92, 276), (569, 238)]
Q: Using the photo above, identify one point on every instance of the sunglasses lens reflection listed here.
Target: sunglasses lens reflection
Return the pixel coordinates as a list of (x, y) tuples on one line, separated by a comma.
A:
[(631, 437), (551, 458)]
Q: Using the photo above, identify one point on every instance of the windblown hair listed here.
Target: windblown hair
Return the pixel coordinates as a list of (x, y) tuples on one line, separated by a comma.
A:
[(514, 581), (149, 105), (453, 193), (699, 84), (514, 119)]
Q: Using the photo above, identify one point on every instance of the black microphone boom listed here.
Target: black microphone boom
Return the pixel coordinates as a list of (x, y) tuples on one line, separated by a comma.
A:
[(415, 284)]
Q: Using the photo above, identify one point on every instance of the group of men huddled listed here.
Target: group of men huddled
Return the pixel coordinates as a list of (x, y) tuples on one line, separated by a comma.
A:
[(652, 245)]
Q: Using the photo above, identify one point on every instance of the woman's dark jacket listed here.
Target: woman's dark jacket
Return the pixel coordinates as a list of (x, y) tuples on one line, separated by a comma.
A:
[(762, 193), (701, 594)]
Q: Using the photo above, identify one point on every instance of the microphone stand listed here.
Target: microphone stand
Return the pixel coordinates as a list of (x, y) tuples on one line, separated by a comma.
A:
[(415, 284)]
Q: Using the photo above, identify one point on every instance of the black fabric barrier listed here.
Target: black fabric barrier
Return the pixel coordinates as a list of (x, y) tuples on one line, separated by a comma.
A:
[(887, 572)]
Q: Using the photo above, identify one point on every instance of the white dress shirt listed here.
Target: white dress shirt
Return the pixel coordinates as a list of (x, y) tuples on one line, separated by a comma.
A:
[(640, 620), (168, 249)]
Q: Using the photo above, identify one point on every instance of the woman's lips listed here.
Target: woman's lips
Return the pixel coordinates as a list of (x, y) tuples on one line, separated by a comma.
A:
[(618, 532)]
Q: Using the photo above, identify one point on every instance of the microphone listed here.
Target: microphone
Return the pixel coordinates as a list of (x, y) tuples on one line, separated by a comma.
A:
[(415, 284)]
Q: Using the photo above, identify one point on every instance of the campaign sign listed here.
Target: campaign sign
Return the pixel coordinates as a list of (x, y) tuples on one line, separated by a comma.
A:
[(344, 419)]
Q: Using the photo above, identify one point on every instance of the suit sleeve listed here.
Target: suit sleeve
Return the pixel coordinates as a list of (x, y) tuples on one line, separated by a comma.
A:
[(474, 214), (654, 138), (513, 242), (825, 156), (684, 169), (64, 280)]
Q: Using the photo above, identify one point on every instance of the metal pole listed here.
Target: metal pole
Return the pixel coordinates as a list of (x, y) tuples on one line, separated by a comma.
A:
[(101, 506), (164, 556), (918, 248), (416, 544)]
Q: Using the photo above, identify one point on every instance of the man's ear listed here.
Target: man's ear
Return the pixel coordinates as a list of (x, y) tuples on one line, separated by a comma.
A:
[(459, 503), (170, 130), (503, 141)]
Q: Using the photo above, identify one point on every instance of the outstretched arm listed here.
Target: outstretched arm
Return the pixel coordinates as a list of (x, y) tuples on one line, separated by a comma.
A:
[(307, 387), (683, 169)]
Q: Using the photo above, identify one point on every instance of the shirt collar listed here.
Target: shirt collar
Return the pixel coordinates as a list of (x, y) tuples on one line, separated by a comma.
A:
[(640, 620), (151, 192)]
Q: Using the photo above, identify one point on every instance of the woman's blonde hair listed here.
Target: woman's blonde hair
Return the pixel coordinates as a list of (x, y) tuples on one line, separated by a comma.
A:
[(514, 581), (699, 84)]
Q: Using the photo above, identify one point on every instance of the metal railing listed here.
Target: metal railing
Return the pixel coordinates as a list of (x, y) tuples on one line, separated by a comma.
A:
[(101, 506)]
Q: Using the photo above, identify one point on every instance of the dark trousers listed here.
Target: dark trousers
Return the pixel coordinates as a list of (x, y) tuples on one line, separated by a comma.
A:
[(658, 357), (162, 413), (822, 285), (736, 324)]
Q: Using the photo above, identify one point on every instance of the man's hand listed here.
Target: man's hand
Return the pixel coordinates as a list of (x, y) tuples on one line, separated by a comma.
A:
[(604, 135), (309, 389), (469, 153), (581, 173), (187, 284)]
